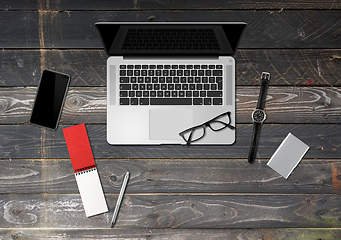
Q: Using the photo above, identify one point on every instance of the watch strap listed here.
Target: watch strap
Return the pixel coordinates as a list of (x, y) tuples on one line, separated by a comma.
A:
[(264, 88), (254, 142)]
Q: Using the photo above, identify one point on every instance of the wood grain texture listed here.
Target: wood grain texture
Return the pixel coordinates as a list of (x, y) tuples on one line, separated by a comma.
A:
[(175, 211), (175, 192), (284, 105), (25, 141), (171, 234), (172, 176), (75, 29), (293, 67), (9, 5)]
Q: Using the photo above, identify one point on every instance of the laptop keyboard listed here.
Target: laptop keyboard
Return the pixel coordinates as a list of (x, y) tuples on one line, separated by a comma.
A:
[(170, 39), (171, 84)]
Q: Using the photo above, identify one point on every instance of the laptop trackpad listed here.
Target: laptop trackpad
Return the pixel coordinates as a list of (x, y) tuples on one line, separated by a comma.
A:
[(165, 124)]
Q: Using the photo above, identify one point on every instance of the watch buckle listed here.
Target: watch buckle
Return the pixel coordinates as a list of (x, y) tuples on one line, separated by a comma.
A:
[(266, 76)]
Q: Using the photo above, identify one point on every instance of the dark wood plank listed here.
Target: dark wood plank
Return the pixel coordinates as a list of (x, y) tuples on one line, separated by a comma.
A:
[(172, 176), (300, 67), (166, 234), (175, 211), (166, 4), (75, 29), (33, 142), (284, 105)]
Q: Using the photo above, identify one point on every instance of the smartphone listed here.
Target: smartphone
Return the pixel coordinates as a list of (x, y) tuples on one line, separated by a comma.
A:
[(50, 98)]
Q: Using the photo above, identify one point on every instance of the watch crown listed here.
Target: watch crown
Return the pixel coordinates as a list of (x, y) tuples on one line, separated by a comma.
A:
[(266, 76)]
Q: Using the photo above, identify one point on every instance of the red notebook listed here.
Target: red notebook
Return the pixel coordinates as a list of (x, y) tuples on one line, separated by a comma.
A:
[(85, 170), (78, 144)]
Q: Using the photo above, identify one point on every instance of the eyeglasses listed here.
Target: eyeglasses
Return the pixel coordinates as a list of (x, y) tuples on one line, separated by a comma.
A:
[(216, 124)]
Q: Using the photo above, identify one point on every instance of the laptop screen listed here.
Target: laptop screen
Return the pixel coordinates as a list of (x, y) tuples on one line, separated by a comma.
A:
[(165, 39)]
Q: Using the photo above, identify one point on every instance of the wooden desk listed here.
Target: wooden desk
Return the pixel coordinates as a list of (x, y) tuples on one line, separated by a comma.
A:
[(175, 192)]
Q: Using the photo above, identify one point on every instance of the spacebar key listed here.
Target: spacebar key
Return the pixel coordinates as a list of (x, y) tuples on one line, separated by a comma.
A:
[(170, 101)]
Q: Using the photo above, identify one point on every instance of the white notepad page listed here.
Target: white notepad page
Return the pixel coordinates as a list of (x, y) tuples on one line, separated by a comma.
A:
[(91, 192)]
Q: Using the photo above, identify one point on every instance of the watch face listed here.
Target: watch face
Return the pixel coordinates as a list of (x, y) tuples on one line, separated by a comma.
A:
[(258, 116)]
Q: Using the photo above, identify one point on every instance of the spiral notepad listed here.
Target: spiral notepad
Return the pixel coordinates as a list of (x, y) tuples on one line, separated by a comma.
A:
[(85, 170)]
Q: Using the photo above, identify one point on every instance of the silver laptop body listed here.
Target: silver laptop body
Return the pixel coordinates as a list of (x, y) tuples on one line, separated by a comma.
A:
[(154, 120)]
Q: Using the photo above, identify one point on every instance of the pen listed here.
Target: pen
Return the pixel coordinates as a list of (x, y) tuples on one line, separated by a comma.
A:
[(119, 200)]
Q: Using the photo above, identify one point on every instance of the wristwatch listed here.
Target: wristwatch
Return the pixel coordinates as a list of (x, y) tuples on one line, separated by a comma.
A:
[(258, 116)]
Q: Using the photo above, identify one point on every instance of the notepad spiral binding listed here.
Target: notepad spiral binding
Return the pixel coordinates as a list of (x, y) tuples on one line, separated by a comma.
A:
[(85, 170)]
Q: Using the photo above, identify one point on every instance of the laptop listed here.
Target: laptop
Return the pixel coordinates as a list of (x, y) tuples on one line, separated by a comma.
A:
[(167, 77)]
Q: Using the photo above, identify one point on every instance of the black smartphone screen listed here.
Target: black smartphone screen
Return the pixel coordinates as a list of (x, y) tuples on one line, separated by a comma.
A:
[(50, 99)]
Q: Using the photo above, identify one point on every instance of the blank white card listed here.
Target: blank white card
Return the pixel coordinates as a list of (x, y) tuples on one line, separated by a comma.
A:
[(288, 155)]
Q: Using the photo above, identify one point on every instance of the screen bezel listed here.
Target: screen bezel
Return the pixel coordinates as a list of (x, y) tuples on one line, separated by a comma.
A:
[(110, 33)]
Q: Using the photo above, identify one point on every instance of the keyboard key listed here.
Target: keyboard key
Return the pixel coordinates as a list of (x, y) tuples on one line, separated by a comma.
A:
[(197, 101), (217, 101), (170, 101), (207, 101), (134, 101), (152, 93), (124, 79), (123, 73), (214, 93), (124, 101), (122, 66), (125, 86), (217, 72), (219, 81), (124, 94), (163, 87), (144, 101)]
